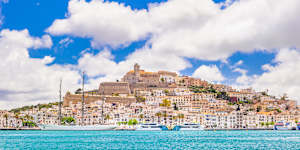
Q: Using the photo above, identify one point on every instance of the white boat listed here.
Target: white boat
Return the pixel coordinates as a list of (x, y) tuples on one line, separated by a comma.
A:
[(77, 127), (188, 127), (151, 127), (282, 126)]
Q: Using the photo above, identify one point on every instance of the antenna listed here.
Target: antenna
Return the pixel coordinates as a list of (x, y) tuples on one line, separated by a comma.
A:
[(102, 113), (82, 105), (59, 104)]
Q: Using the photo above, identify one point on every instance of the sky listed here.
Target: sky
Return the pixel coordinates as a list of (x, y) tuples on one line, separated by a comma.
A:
[(247, 43)]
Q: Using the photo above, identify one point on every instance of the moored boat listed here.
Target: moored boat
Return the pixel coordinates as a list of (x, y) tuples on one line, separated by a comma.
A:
[(151, 127), (77, 127), (82, 126), (282, 126), (188, 127), (298, 126)]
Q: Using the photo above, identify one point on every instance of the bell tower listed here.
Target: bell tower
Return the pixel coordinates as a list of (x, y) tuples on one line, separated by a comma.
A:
[(136, 69)]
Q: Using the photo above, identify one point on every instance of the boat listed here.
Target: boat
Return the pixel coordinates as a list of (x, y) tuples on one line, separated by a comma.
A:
[(282, 126), (188, 127), (82, 126), (76, 127), (151, 127), (298, 126)]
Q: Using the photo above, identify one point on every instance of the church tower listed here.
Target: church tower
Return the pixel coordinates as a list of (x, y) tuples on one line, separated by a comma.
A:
[(136, 70)]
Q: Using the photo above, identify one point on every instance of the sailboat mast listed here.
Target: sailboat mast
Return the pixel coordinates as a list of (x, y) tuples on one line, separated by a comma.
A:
[(82, 108), (59, 104)]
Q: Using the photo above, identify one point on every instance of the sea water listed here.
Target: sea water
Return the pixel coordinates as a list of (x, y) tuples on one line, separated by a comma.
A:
[(150, 140)]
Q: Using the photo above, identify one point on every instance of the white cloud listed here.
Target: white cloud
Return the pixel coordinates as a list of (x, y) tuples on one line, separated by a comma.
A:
[(107, 23), (26, 80), (190, 28), (242, 71), (66, 42), (209, 73), (240, 62), (283, 77)]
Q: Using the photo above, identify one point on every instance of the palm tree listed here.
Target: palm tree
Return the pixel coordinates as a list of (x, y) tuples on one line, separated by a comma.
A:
[(166, 103), (165, 116), (141, 116), (17, 115), (28, 117), (174, 118), (6, 118), (158, 116), (107, 117), (17, 119), (181, 117)]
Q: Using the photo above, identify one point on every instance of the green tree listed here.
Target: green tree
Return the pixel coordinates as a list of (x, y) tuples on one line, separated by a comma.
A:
[(181, 117), (68, 120), (158, 115), (140, 99), (141, 116), (165, 114), (107, 117), (28, 117), (132, 122), (29, 124), (6, 118), (175, 106), (166, 91), (166, 103)]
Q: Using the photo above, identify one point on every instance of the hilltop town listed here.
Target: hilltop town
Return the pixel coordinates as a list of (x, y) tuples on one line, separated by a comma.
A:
[(161, 97)]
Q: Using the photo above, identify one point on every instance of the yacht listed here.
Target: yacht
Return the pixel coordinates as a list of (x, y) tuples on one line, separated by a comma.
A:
[(82, 126), (77, 127), (151, 127), (188, 127), (282, 126)]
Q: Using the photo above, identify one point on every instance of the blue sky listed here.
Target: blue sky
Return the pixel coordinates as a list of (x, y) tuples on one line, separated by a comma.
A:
[(219, 41)]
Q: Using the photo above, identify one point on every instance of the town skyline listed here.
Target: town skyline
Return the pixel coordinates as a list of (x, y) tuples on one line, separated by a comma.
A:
[(161, 97)]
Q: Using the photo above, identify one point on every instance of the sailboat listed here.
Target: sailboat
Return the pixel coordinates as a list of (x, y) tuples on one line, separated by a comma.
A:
[(80, 127)]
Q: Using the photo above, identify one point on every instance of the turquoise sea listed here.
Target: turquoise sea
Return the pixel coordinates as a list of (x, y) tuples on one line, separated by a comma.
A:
[(150, 140)]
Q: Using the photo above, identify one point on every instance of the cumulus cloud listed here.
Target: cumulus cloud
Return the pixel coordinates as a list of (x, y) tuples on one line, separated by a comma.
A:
[(283, 77), (209, 73), (191, 28), (26, 80), (107, 23)]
